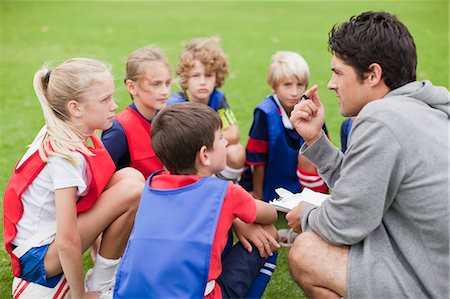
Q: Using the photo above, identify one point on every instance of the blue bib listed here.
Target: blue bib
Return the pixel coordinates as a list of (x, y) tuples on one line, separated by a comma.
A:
[(281, 167), (215, 99), (169, 250)]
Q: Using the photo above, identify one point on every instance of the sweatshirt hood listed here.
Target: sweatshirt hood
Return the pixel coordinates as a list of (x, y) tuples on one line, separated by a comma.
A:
[(437, 97)]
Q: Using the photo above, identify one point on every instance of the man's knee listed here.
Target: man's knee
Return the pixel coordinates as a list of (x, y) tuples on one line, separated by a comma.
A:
[(300, 252), (315, 263)]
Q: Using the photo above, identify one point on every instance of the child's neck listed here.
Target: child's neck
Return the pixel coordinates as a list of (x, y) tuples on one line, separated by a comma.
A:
[(204, 172), (195, 100), (287, 109), (145, 111), (81, 129)]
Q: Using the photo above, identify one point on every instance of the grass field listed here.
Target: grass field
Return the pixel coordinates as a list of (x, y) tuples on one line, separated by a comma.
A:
[(36, 32)]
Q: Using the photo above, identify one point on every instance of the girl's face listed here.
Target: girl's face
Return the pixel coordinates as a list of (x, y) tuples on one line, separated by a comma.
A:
[(151, 91), (200, 84), (97, 111), (289, 92)]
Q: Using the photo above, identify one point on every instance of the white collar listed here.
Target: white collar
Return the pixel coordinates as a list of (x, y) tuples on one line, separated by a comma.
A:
[(284, 117)]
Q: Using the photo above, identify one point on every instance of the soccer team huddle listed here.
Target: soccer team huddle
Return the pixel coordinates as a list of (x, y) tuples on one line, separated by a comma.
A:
[(159, 195), (177, 140)]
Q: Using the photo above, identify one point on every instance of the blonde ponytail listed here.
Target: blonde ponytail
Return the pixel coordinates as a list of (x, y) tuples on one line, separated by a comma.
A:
[(54, 89)]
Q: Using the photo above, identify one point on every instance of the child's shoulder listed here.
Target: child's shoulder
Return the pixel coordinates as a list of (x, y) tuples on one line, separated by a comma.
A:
[(268, 104), (177, 97), (236, 192)]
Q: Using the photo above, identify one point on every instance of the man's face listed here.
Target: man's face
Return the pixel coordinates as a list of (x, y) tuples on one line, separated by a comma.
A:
[(353, 94)]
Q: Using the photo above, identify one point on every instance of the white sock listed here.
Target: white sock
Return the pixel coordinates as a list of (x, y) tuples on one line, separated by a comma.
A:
[(231, 173), (102, 274)]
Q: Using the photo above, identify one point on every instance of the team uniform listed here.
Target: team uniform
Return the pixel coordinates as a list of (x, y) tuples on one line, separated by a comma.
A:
[(273, 142), (129, 144), (217, 101), (29, 204), (346, 127), (167, 224)]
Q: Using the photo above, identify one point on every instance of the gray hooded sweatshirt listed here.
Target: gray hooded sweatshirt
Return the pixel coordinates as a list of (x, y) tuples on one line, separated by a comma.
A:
[(390, 199)]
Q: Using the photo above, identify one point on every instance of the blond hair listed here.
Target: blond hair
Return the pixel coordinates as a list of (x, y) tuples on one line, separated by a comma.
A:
[(135, 67), (71, 80), (287, 65), (206, 50)]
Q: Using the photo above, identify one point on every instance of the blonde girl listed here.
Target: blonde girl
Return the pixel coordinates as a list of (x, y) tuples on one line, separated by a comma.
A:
[(64, 193)]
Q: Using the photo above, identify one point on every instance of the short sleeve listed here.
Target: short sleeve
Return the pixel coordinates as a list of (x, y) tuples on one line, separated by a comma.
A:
[(115, 141), (258, 142), (244, 206), (226, 114), (64, 174)]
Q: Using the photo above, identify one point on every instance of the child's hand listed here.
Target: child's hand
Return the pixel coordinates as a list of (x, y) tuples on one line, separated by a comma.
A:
[(255, 234)]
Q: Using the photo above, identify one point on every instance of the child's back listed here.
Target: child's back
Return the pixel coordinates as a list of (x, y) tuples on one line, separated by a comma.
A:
[(185, 215)]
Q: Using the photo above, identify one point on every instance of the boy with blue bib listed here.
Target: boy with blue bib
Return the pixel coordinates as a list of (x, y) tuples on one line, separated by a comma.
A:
[(202, 69), (273, 146), (185, 215)]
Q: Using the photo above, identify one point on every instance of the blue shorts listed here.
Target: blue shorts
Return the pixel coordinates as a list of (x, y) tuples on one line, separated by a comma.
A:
[(32, 264), (239, 270)]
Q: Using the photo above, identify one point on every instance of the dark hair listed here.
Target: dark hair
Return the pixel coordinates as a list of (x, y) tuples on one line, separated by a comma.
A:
[(178, 133), (376, 37)]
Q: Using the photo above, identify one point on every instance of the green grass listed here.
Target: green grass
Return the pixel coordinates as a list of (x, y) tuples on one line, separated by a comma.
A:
[(35, 32)]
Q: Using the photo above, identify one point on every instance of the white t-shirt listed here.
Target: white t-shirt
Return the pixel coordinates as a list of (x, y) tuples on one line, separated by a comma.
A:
[(39, 210)]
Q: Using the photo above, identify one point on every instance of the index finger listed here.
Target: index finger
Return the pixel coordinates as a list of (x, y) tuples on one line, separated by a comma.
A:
[(313, 95), (309, 93)]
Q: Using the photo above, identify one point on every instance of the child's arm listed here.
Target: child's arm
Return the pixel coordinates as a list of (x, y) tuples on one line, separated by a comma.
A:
[(231, 134), (258, 150), (256, 234), (305, 164), (230, 129), (68, 240), (258, 179), (265, 213)]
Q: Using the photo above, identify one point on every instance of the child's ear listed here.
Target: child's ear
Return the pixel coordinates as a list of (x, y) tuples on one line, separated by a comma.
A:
[(74, 108), (273, 88), (203, 157), (131, 86)]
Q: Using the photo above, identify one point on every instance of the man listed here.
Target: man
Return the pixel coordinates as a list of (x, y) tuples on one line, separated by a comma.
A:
[(385, 231)]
